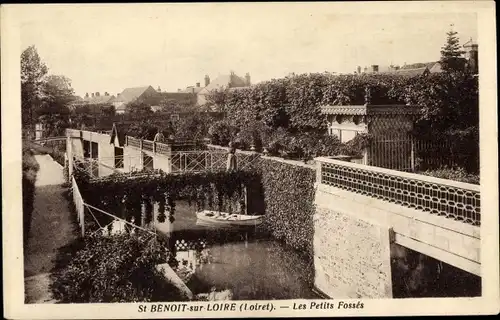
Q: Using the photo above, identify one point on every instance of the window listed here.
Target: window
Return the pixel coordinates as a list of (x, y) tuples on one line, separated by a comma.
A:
[(119, 158)]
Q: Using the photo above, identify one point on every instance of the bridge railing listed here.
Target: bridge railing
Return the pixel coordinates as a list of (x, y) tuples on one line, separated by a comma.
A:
[(451, 199), (79, 204)]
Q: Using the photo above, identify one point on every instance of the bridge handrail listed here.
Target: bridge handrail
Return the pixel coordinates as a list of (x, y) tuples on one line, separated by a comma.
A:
[(452, 199), (79, 204)]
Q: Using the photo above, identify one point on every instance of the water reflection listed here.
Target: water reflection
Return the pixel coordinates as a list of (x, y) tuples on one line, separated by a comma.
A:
[(245, 261)]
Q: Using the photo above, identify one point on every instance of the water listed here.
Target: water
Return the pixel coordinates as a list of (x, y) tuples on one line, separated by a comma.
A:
[(247, 262)]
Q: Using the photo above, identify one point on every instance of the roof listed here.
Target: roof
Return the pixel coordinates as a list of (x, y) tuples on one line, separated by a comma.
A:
[(419, 65), (191, 90), (470, 43), (410, 72), (436, 68), (362, 110), (222, 82), (93, 100), (131, 94)]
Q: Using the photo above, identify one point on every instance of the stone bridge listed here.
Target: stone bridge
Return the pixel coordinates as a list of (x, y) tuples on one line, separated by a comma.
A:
[(362, 210)]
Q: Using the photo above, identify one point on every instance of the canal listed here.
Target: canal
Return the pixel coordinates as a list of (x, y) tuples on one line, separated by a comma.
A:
[(248, 263)]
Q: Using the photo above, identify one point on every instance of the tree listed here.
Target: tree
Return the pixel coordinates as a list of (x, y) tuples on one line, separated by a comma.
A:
[(33, 75), (192, 127), (451, 53), (138, 109), (58, 92), (53, 111)]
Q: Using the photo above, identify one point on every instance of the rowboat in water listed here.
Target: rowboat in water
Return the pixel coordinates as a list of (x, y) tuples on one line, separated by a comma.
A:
[(224, 219)]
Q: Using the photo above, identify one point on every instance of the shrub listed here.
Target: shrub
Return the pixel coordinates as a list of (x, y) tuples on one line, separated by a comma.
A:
[(458, 174), (222, 132), (120, 268), (29, 168)]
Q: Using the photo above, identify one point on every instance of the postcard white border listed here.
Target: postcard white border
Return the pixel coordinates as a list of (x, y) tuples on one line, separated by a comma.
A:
[(11, 180)]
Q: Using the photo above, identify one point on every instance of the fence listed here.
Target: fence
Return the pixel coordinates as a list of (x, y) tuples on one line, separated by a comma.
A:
[(412, 155), (453, 200), (79, 205)]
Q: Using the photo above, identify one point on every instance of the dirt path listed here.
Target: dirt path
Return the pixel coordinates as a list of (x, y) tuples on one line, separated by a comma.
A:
[(51, 228)]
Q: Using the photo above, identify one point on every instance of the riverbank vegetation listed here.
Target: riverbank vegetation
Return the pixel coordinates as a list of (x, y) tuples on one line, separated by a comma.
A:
[(120, 268), (30, 169)]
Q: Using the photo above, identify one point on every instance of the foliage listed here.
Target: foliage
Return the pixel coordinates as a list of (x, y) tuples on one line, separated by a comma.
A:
[(147, 129), (123, 193), (458, 174), (176, 102), (193, 126), (222, 132), (288, 192), (120, 268), (138, 109), (449, 101), (44, 98), (451, 53), (30, 169), (58, 94), (33, 73)]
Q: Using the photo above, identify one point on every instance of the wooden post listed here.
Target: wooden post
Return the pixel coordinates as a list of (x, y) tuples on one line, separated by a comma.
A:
[(90, 148)]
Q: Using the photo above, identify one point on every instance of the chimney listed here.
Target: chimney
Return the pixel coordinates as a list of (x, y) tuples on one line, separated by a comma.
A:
[(375, 68), (179, 90), (197, 84), (86, 95), (247, 79), (207, 80), (97, 94), (159, 90), (192, 89), (359, 69), (92, 94), (106, 94), (365, 70)]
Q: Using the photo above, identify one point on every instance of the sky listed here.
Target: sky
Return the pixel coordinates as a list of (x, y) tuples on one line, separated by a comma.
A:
[(111, 47)]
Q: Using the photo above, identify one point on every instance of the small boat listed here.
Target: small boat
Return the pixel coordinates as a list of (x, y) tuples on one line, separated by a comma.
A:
[(224, 219)]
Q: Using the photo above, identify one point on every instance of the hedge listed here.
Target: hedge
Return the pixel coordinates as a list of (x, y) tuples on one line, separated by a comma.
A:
[(286, 113), (288, 194), (30, 169), (121, 268)]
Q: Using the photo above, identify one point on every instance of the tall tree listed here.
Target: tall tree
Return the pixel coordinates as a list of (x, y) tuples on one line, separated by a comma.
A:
[(33, 74), (451, 53), (53, 112)]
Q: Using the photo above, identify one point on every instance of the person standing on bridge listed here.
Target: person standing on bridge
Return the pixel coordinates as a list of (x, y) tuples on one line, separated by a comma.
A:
[(231, 158), (159, 137)]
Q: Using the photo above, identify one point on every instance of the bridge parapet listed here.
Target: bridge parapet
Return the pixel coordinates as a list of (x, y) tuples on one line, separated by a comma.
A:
[(451, 199), (436, 217)]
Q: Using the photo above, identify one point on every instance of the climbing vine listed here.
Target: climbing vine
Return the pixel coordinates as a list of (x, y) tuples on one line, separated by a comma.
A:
[(126, 195)]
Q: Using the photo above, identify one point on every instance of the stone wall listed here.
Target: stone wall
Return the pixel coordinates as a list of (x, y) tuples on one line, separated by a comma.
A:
[(351, 256)]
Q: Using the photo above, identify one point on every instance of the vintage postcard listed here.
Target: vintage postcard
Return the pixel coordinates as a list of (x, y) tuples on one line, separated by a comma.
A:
[(211, 160)]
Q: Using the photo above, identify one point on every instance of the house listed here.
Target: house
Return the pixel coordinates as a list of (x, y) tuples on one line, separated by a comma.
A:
[(130, 95), (94, 101), (471, 55), (222, 82), (412, 70)]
